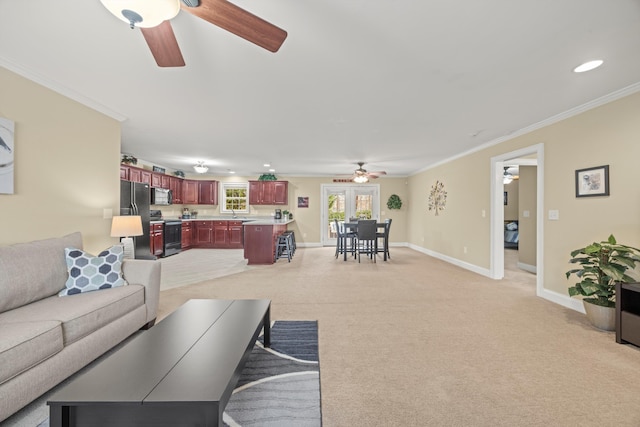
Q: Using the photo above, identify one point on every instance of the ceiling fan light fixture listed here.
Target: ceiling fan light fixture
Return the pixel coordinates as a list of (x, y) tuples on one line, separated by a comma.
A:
[(506, 177), (200, 168), (360, 179), (143, 13)]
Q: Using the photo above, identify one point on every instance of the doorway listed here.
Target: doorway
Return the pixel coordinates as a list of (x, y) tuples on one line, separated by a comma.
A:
[(345, 201), (533, 155)]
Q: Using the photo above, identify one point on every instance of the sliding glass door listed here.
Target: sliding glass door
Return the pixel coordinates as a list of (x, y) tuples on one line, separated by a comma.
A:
[(344, 202)]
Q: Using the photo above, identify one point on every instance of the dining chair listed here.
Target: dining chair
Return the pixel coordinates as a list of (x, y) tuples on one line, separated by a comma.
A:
[(384, 235), (345, 240), (367, 241)]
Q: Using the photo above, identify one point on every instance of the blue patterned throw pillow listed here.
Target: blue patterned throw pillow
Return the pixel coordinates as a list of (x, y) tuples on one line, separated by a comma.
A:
[(92, 273)]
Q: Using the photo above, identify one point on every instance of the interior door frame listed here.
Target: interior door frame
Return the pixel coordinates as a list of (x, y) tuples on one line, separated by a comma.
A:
[(497, 212), (324, 213)]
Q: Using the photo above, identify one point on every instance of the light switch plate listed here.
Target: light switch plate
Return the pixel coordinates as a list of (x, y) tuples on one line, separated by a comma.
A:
[(554, 215)]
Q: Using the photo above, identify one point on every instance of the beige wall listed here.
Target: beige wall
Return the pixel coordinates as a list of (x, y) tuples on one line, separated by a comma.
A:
[(66, 166), (513, 194), (605, 135), (527, 225)]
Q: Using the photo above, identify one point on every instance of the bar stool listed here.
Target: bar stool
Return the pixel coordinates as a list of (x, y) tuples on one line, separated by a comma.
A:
[(283, 247), (292, 235)]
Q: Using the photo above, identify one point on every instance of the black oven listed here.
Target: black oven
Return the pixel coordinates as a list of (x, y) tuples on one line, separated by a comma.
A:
[(172, 237)]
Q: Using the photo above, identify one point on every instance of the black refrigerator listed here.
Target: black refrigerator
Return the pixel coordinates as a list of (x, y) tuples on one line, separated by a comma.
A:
[(135, 199)]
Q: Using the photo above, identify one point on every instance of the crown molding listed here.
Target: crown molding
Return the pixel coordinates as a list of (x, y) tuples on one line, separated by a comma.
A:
[(59, 88)]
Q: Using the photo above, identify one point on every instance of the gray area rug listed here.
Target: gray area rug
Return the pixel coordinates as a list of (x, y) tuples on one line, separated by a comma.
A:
[(279, 386)]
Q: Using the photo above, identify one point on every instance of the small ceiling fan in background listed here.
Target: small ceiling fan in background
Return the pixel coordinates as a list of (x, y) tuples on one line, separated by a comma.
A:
[(153, 18), (361, 175)]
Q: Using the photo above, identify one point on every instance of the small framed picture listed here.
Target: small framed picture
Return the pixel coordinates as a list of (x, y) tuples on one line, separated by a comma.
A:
[(158, 169), (303, 202), (592, 182), (506, 198)]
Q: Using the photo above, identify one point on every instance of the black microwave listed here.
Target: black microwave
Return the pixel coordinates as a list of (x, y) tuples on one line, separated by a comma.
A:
[(161, 196)]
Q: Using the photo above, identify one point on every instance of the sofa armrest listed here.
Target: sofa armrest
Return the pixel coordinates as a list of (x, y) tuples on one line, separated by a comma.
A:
[(146, 273)]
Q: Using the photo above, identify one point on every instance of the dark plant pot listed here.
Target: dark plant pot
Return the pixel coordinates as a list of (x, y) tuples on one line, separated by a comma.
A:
[(601, 317)]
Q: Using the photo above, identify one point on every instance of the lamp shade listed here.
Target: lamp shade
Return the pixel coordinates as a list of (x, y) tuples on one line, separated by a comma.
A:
[(360, 179), (143, 13), (126, 226)]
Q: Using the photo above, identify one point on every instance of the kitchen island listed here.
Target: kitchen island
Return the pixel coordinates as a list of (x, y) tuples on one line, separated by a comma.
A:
[(260, 238)]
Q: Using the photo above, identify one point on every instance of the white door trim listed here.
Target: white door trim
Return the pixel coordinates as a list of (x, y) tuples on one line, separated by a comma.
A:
[(497, 210)]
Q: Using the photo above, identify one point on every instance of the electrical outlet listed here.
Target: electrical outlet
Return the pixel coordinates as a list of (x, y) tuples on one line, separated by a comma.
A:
[(464, 249)]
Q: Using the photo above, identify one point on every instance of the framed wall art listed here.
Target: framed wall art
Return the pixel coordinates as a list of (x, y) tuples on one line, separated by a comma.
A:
[(7, 150), (592, 182), (303, 202)]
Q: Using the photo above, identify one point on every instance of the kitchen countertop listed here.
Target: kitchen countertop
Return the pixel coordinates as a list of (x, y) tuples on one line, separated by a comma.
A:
[(256, 220)]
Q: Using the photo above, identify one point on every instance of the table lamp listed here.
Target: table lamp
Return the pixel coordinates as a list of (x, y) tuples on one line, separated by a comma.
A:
[(126, 227)]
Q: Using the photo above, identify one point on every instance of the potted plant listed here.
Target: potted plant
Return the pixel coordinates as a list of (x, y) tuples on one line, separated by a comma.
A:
[(601, 265), (286, 214), (129, 160)]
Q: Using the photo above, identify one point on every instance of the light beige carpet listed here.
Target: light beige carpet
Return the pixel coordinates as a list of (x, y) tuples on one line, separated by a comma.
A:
[(419, 342)]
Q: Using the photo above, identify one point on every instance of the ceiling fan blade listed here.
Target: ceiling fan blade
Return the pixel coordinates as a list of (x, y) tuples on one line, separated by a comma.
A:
[(240, 22), (376, 174), (163, 45)]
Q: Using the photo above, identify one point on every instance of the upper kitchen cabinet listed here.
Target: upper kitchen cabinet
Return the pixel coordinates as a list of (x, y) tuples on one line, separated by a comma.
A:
[(175, 185), (199, 192), (268, 192), (207, 192), (189, 192)]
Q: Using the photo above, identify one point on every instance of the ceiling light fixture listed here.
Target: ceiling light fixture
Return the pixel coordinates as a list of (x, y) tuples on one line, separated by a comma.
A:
[(588, 66), (143, 13), (506, 176), (267, 165), (200, 168), (360, 179)]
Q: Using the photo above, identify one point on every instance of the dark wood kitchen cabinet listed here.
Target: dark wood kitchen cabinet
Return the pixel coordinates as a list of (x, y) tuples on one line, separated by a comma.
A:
[(187, 234), (124, 173), (268, 192), (157, 239), (235, 234), (260, 242), (204, 234), (207, 192), (175, 185), (190, 192), (220, 234)]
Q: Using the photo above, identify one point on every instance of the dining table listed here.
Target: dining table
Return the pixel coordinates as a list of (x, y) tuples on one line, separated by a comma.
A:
[(352, 227)]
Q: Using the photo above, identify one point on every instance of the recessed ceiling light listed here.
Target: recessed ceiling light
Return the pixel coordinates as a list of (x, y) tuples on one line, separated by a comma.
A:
[(232, 171), (272, 170), (588, 66), (266, 165)]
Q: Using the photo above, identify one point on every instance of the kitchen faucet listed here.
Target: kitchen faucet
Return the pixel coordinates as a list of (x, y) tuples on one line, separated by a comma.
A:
[(233, 214)]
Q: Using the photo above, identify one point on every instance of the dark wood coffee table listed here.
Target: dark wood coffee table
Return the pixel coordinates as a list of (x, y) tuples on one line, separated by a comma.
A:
[(180, 372)]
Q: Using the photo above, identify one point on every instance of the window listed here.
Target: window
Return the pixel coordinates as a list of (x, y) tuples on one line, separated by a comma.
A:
[(235, 197)]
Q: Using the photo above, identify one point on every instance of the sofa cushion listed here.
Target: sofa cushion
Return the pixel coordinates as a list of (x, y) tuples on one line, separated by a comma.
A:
[(92, 273), (81, 314), (35, 270), (25, 344)]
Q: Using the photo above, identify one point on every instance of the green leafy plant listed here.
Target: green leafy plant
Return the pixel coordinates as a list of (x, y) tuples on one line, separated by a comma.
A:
[(601, 266), (179, 173), (267, 177), (129, 160), (394, 202)]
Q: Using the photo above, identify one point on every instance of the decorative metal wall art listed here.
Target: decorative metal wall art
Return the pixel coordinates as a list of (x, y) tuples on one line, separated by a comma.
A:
[(437, 197)]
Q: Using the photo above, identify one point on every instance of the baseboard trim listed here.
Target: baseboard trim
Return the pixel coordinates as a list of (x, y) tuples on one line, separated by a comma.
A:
[(563, 300), (467, 266), (527, 267)]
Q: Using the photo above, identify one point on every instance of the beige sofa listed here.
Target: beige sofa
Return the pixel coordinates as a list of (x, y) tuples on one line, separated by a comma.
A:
[(44, 338)]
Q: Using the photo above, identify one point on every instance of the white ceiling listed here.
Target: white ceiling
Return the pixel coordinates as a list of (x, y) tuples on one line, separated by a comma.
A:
[(399, 84)]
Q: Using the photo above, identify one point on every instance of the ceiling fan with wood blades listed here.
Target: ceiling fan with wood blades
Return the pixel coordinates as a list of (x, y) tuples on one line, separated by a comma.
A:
[(153, 18), (361, 175)]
